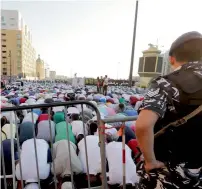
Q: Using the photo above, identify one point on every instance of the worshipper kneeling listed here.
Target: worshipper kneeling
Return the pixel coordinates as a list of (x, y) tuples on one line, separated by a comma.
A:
[(7, 155), (30, 118), (78, 127), (116, 132), (26, 131), (6, 160), (8, 131), (59, 117), (115, 160), (61, 160), (46, 130), (28, 161), (94, 162), (62, 129)]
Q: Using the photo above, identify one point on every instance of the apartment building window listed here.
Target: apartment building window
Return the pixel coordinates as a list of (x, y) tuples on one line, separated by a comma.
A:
[(19, 46), (3, 24), (2, 18), (3, 56), (4, 69), (4, 73), (18, 41), (3, 34), (4, 62), (4, 40), (3, 51), (18, 36), (12, 18), (3, 45)]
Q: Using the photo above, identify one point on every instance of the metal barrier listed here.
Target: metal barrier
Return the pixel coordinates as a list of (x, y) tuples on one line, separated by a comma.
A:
[(102, 129), (102, 140)]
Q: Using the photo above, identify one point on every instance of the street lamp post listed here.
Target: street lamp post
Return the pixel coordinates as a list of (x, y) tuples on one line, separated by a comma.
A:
[(133, 45)]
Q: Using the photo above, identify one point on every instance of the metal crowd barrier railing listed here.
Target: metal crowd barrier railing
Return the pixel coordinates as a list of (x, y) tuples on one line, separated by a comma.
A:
[(123, 120), (102, 140)]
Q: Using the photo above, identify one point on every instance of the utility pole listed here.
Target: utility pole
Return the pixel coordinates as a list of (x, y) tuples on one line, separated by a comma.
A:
[(133, 46), (10, 65)]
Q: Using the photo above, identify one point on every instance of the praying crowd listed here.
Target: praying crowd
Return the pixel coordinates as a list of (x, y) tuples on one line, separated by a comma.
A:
[(47, 139)]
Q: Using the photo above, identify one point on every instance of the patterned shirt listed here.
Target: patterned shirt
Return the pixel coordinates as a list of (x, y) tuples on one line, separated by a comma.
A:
[(157, 97)]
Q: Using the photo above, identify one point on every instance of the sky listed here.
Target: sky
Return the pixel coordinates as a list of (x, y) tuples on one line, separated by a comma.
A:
[(94, 37)]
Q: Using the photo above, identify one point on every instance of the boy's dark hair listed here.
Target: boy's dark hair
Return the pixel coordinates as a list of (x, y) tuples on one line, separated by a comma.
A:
[(75, 117), (4, 121), (109, 138), (121, 106), (188, 52), (79, 138), (44, 110), (93, 128)]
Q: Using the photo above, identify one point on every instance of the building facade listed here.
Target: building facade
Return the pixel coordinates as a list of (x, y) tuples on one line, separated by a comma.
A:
[(52, 75), (166, 69), (150, 65), (47, 71), (40, 68), (18, 55)]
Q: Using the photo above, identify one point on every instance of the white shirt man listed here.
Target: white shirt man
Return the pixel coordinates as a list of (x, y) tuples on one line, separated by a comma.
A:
[(62, 160), (94, 159), (106, 81), (44, 130), (114, 158), (77, 128), (28, 161), (28, 117), (109, 131)]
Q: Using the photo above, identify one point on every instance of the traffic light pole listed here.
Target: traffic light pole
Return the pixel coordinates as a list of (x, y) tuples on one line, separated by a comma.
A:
[(133, 46)]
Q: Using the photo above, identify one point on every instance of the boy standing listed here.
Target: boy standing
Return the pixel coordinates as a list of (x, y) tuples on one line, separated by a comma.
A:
[(105, 85)]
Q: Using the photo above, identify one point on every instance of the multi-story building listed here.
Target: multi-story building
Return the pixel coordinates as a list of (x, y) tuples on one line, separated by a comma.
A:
[(166, 69), (18, 55), (47, 71), (52, 75), (40, 68)]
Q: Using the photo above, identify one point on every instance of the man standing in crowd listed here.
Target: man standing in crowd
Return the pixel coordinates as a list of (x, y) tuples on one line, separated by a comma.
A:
[(169, 99), (105, 85), (101, 84), (98, 84)]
